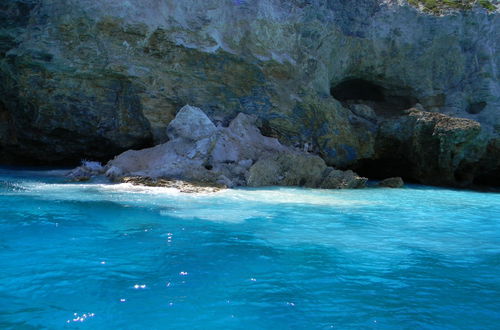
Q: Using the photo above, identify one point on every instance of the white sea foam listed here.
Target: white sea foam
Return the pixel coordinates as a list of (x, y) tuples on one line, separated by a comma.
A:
[(293, 196), (227, 206), (129, 192), (236, 215), (130, 188)]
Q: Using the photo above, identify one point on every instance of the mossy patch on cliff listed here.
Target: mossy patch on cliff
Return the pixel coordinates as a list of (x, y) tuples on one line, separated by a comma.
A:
[(441, 6)]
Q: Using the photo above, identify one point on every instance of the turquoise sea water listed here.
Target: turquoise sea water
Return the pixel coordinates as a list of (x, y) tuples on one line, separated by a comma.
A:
[(97, 256)]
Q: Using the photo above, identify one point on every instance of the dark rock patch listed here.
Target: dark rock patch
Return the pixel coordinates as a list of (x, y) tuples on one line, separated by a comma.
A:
[(427, 147), (386, 102), (475, 108), (396, 182)]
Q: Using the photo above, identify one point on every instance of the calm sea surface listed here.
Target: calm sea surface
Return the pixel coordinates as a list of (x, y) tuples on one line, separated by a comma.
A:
[(98, 256)]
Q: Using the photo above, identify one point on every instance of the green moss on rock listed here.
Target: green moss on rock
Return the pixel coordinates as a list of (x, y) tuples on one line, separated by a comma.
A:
[(440, 6)]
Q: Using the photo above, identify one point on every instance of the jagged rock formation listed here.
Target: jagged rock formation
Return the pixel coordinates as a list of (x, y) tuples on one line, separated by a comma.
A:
[(443, 149), (237, 155), (90, 79)]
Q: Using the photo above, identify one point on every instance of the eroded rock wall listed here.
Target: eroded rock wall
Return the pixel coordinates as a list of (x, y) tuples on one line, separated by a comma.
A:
[(89, 78)]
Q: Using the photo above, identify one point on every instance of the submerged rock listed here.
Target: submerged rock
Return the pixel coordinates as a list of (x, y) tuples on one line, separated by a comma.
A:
[(237, 155)]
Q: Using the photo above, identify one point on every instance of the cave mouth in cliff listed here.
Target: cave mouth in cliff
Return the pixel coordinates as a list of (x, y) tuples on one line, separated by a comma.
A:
[(489, 178), (385, 101), (383, 168), (357, 89)]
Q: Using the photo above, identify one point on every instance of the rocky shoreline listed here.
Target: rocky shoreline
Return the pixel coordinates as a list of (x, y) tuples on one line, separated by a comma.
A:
[(199, 152), (379, 87)]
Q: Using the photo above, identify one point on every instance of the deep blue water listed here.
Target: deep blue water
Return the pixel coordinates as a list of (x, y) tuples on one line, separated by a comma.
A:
[(96, 256)]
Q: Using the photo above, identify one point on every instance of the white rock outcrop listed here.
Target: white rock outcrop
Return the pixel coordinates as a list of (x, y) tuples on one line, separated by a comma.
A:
[(237, 155)]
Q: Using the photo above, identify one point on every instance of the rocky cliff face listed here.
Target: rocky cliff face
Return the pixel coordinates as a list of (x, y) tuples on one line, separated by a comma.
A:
[(89, 79)]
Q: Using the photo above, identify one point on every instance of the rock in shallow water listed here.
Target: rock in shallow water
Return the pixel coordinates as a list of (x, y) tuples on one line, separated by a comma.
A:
[(237, 155), (86, 171), (301, 169), (182, 186), (336, 179)]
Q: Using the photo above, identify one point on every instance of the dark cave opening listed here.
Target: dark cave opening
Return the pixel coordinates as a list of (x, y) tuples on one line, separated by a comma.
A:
[(386, 102), (383, 168), (26, 150), (488, 178), (357, 89), (475, 108)]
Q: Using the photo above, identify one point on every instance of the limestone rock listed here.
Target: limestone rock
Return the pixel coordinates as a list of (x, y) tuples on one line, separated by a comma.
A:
[(335, 179), (395, 182), (237, 155), (287, 169), (265, 172), (114, 173), (245, 128), (431, 147), (190, 123), (296, 169), (364, 111), (86, 171)]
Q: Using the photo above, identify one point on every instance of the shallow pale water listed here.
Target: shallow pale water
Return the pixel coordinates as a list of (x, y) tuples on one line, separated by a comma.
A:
[(96, 256)]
